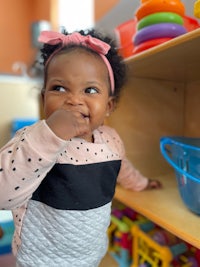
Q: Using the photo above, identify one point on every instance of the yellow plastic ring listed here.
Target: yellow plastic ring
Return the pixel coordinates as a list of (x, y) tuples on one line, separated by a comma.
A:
[(154, 6), (160, 17)]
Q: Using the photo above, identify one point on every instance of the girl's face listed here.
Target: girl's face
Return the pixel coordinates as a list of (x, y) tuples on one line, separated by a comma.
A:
[(78, 80)]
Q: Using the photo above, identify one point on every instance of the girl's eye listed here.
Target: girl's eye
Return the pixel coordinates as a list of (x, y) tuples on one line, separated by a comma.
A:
[(91, 90), (58, 88)]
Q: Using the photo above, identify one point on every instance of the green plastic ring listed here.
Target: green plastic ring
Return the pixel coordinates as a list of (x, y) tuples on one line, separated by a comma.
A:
[(160, 17)]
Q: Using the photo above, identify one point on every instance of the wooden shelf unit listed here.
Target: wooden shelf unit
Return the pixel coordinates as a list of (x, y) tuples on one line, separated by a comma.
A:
[(161, 98)]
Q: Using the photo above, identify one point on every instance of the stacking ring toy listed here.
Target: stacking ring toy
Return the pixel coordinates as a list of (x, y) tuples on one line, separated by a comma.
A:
[(148, 44), (197, 9), (154, 6), (158, 31), (160, 17)]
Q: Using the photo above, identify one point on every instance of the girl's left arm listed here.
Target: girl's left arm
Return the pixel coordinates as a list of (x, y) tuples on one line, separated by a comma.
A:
[(131, 178)]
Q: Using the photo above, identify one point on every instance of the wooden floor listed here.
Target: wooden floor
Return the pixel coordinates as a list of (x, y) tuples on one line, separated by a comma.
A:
[(108, 261), (8, 261)]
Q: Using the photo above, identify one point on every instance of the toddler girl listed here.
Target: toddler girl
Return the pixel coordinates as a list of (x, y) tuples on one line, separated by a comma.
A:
[(58, 176)]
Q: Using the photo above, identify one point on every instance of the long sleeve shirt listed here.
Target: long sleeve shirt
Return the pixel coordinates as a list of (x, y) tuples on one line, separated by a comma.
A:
[(60, 193)]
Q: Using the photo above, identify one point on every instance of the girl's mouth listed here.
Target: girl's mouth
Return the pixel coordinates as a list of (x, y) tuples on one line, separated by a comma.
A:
[(86, 117)]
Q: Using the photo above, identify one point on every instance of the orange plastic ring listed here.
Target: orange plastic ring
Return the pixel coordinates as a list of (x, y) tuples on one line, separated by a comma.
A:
[(150, 43), (153, 6)]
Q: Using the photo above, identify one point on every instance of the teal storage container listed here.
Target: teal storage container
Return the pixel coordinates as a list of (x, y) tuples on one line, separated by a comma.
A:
[(183, 154)]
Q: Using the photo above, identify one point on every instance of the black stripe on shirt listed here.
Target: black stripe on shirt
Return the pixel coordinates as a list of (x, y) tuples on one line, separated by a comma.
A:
[(78, 187)]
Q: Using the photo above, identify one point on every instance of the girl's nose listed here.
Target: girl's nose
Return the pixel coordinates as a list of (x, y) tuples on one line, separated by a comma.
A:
[(74, 99)]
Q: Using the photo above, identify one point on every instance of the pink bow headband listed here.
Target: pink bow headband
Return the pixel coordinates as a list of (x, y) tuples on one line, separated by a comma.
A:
[(102, 48)]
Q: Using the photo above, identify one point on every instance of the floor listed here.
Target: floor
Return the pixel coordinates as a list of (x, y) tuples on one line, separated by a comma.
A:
[(108, 261), (8, 261)]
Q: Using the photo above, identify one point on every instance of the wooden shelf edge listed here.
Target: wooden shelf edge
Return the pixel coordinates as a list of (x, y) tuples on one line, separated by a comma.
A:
[(172, 55), (154, 204), (165, 46)]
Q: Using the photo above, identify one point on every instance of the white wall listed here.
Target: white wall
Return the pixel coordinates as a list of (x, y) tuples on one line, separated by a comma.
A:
[(19, 99), (76, 14)]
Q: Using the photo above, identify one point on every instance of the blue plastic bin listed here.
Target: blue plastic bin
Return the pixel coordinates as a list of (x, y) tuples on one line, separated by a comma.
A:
[(19, 123), (183, 154), (7, 225)]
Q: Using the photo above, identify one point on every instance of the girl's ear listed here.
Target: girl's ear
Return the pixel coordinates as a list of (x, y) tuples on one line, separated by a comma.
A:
[(111, 105)]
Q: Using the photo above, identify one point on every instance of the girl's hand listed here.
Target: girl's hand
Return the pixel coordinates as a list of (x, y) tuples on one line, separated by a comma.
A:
[(153, 184), (67, 124)]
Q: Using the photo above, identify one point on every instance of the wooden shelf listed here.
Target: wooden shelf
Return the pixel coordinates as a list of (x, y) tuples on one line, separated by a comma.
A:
[(161, 98), (165, 208), (176, 60)]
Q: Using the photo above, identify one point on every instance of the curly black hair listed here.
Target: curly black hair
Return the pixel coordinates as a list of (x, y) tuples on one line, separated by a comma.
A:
[(115, 60)]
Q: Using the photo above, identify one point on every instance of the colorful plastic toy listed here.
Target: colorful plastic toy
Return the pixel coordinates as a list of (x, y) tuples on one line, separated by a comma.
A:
[(156, 20), (165, 238), (147, 251), (149, 44), (190, 23), (124, 33), (197, 9), (120, 242), (160, 30), (154, 6), (159, 17), (183, 261), (120, 239), (134, 241), (7, 226)]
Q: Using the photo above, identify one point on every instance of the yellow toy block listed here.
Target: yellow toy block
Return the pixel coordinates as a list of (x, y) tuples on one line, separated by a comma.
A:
[(197, 9)]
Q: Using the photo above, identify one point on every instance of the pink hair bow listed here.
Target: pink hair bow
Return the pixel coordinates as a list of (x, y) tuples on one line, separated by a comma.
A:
[(54, 38), (102, 48)]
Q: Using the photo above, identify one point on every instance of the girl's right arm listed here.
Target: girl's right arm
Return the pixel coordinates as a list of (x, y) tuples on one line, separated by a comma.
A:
[(24, 162)]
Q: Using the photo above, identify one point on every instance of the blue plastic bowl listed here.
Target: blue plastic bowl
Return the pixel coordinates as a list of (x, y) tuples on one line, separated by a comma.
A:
[(183, 154)]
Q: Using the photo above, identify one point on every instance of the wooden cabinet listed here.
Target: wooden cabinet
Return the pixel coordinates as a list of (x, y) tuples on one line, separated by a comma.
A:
[(161, 98)]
